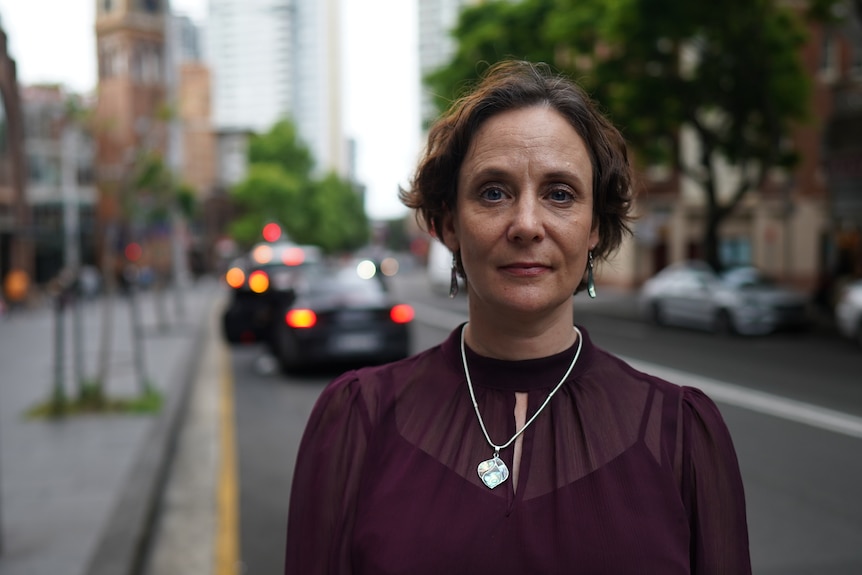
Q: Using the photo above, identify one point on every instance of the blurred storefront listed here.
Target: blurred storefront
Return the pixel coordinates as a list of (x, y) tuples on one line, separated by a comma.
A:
[(16, 245), (842, 146), (804, 226), (60, 190)]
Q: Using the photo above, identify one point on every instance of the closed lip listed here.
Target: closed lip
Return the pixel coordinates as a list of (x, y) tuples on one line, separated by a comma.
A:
[(525, 268)]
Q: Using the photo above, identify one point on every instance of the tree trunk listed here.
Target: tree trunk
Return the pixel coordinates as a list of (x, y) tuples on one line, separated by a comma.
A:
[(110, 282), (710, 239)]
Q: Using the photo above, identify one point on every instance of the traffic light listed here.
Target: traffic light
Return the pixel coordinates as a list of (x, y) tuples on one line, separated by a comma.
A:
[(271, 232)]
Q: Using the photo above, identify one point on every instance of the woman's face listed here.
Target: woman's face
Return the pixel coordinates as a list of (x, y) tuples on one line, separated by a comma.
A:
[(523, 218)]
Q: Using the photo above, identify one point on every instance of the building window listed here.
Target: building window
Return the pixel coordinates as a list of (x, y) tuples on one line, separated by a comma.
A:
[(147, 64), (43, 171), (735, 251), (828, 56), (151, 6), (856, 62)]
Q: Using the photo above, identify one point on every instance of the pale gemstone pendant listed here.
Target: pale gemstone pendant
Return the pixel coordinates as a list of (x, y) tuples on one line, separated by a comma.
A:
[(493, 472)]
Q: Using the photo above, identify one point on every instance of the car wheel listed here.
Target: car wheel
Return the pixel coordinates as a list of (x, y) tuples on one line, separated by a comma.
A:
[(656, 313), (285, 349), (723, 323), (858, 334), (232, 329)]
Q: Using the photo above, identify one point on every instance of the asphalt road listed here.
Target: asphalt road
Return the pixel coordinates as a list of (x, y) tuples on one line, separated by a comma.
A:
[(802, 480)]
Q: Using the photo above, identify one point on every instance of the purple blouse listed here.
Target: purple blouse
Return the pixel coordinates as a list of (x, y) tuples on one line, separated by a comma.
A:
[(621, 473)]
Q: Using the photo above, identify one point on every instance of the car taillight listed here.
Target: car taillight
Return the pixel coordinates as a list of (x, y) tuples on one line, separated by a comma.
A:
[(292, 256), (262, 254), (258, 281), (300, 318), (235, 277), (402, 313)]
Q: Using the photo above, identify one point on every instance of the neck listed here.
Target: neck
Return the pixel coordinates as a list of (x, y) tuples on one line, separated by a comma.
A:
[(516, 338)]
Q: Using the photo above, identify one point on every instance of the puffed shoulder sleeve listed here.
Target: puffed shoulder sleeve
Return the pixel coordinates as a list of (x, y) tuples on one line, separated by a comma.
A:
[(326, 480), (712, 486)]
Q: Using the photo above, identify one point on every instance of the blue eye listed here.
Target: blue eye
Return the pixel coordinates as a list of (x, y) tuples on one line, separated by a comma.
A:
[(492, 194), (561, 195)]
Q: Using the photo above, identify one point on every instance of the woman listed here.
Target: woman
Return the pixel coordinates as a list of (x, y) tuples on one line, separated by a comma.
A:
[(516, 445)]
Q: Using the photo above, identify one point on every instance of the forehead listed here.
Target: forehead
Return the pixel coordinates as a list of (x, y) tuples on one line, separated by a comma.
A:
[(537, 135)]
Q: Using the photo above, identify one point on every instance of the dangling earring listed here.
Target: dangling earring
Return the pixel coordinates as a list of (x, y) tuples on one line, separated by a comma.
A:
[(591, 284), (453, 283)]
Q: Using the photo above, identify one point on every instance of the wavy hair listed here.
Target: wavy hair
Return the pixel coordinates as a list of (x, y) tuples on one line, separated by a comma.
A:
[(511, 85)]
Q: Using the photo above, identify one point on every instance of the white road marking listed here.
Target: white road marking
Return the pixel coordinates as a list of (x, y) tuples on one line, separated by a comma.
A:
[(759, 401), (719, 391)]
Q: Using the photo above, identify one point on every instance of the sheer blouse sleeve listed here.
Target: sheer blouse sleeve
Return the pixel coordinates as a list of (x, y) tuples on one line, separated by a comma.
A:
[(326, 481), (712, 487)]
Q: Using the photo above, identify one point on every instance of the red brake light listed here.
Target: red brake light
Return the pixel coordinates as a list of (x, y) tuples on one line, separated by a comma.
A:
[(235, 277), (258, 281), (292, 256), (271, 232), (402, 313), (262, 254), (300, 318)]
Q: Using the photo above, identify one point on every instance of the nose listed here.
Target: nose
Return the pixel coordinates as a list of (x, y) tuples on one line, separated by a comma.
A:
[(526, 225)]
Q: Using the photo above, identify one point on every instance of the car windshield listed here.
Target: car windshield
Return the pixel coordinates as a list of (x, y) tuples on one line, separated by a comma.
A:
[(747, 278), (329, 281)]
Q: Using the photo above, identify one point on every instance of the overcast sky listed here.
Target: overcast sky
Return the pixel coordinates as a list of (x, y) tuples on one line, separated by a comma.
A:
[(53, 41)]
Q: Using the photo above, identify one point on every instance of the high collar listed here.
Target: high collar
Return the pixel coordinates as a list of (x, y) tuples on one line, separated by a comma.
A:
[(520, 375)]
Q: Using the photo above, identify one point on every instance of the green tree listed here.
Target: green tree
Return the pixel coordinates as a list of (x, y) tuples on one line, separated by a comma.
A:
[(489, 32), (282, 146), (280, 186), (268, 193), (729, 70), (339, 215)]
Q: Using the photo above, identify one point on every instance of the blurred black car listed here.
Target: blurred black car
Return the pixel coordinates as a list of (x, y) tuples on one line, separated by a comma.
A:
[(344, 314), (262, 283)]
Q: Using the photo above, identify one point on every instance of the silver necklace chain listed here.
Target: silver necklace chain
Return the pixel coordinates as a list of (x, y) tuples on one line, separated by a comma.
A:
[(497, 448)]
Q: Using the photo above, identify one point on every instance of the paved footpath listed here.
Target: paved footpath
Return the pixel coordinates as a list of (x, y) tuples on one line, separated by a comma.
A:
[(78, 496)]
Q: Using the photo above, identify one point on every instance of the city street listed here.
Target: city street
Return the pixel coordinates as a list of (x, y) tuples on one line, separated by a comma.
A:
[(793, 403)]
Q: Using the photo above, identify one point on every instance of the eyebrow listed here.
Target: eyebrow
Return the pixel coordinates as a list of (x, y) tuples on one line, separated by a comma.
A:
[(492, 172)]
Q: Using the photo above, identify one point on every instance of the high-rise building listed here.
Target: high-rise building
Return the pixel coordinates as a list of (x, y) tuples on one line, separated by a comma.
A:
[(437, 18), (276, 59), (192, 143)]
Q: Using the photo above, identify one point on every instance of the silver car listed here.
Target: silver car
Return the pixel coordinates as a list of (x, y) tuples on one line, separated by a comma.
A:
[(740, 300), (848, 311)]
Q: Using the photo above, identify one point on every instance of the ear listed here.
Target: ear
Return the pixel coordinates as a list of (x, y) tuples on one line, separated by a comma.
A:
[(594, 236), (448, 234)]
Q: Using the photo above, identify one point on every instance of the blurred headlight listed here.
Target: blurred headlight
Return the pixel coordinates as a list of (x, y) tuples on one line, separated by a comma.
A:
[(389, 266), (366, 269)]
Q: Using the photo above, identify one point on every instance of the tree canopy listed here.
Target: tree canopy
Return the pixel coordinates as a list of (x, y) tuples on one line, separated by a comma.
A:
[(729, 70), (280, 186)]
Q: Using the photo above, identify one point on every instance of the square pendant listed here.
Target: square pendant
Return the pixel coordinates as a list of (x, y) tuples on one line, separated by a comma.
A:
[(493, 472)]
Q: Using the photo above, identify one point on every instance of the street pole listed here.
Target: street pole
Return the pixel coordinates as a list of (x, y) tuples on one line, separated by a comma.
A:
[(175, 161), (138, 352), (58, 395), (72, 244)]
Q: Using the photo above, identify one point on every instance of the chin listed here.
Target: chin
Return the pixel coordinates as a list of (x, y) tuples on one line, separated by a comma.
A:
[(527, 303)]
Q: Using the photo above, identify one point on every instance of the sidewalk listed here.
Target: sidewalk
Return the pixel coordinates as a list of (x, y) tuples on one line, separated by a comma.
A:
[(79, 496)]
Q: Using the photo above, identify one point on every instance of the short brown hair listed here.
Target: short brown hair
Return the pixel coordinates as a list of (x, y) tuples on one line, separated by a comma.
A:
[(511, 85)]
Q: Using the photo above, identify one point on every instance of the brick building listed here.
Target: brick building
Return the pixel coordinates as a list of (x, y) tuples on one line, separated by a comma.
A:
[(803, 226)]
